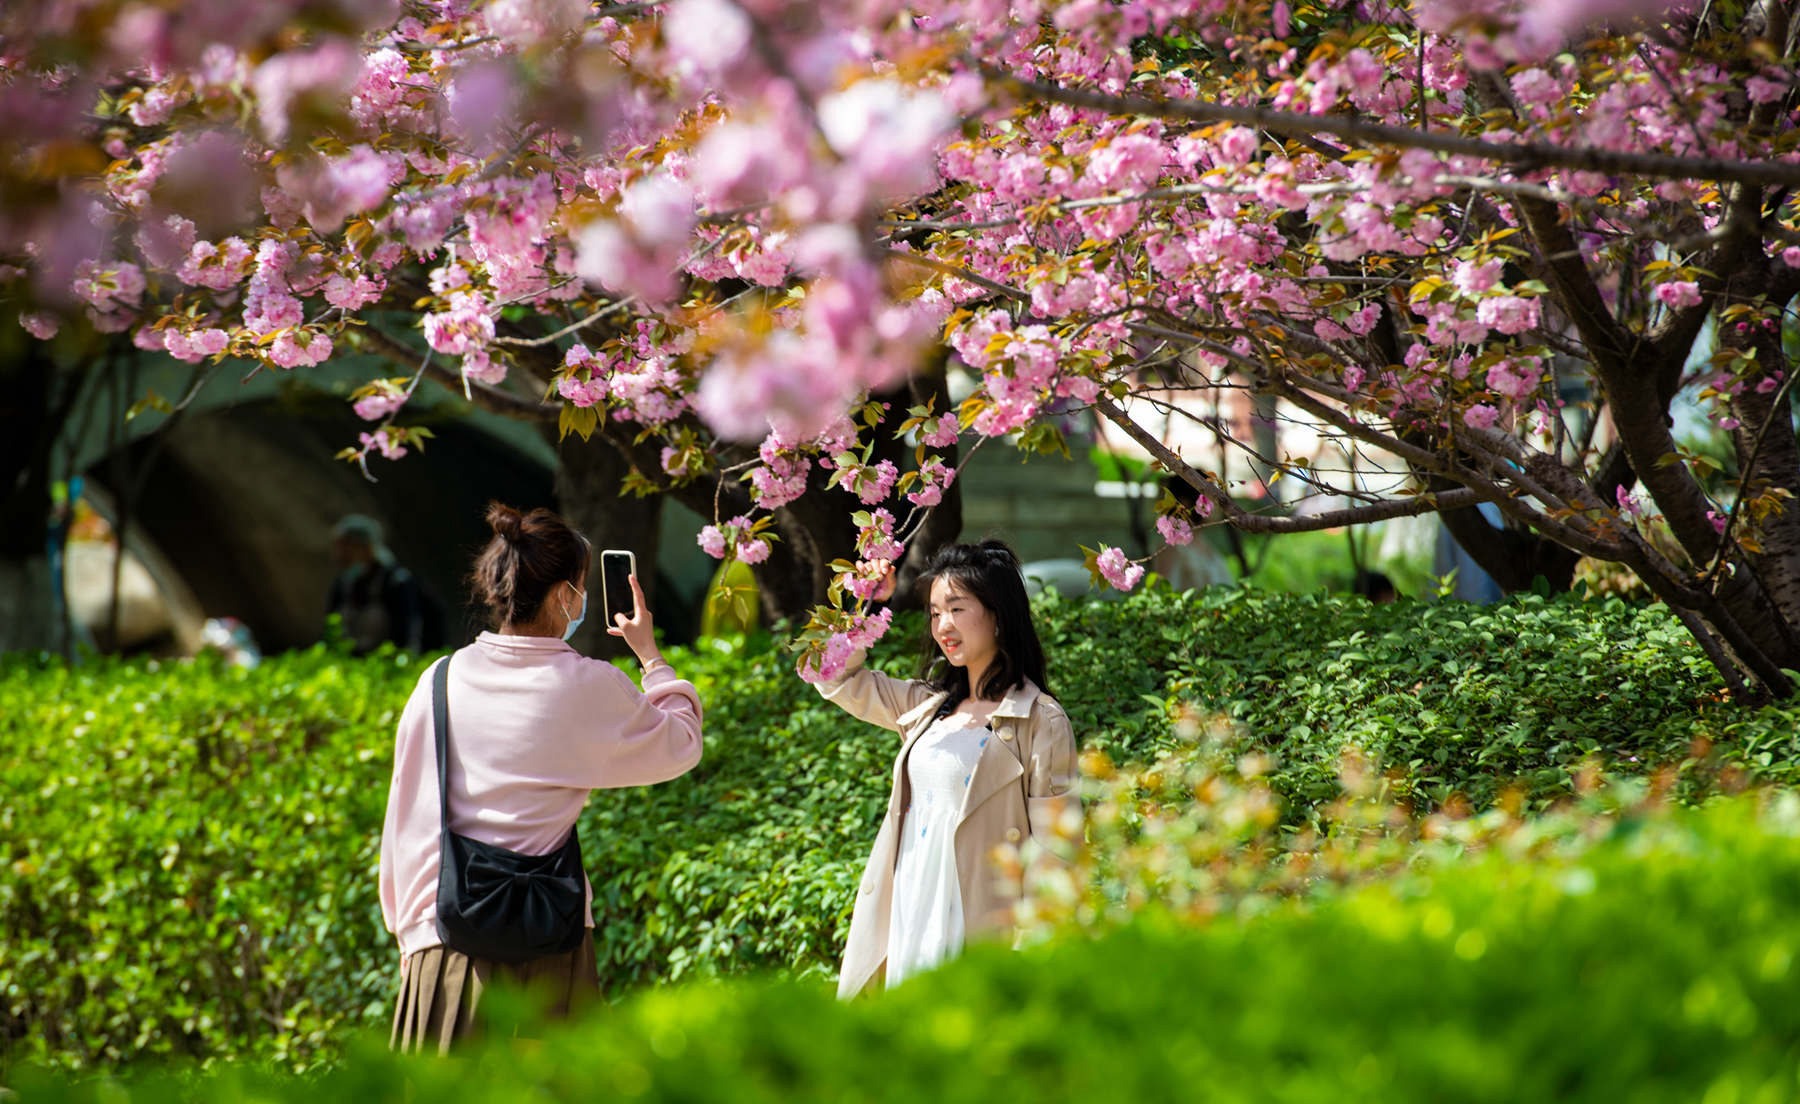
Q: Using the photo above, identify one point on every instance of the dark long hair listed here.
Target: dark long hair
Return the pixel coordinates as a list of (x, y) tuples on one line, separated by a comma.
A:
[(527, 556), (989, 573)]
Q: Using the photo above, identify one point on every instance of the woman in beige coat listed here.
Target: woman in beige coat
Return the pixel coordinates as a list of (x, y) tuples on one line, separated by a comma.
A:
[(986, 760)]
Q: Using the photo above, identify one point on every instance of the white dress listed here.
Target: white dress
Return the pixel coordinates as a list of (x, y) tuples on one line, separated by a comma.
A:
[(926, 926)]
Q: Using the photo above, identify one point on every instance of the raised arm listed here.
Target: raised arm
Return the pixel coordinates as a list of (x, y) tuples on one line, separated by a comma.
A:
[(871, 696), (638, 739)]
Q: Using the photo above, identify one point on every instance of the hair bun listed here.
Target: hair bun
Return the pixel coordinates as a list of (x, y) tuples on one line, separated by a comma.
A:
[(507, 523), (1001, 551)]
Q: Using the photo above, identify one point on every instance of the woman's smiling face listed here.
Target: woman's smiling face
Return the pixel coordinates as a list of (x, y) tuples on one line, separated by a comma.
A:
[(961, 626)]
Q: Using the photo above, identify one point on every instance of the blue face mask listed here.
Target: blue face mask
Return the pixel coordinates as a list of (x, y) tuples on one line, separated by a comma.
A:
[(575, 622)]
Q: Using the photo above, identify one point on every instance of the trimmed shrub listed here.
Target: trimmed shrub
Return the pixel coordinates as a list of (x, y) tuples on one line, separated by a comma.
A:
[(1656, 964), (188, 851)]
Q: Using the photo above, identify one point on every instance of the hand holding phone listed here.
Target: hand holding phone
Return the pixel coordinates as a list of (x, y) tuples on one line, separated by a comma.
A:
[(622, 601), (616, 571)]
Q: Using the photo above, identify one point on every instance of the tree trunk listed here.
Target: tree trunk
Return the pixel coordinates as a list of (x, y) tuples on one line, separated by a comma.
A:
[(588, 479), (1770, 462), (31, 418), (943, 522), (29, 620), (816, 528), (1513, 558)]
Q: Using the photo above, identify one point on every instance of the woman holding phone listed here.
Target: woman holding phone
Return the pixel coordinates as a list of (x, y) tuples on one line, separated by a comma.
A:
[(986, 760), (532, 726)]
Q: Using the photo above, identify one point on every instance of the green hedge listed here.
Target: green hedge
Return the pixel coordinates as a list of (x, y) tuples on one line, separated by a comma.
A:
[(188, 851), (1655, 965), (1456, 698), (188, 854)]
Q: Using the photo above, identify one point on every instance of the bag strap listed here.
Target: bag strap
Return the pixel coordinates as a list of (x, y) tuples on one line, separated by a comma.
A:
[(440, 721)]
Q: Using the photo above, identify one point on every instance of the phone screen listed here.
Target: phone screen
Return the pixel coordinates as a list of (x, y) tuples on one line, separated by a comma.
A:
[(616, 569)]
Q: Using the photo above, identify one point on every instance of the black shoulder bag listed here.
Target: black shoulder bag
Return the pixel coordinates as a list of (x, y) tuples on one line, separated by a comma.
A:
[(498, 904)]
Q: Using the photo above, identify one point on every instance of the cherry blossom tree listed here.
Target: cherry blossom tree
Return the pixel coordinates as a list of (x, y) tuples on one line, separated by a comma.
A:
[(710, 230)]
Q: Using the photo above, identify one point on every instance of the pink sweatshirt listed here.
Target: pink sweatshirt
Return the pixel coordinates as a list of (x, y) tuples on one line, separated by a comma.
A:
[(534, 726)]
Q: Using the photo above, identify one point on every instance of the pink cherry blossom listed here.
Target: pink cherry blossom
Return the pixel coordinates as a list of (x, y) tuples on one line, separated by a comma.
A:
[(352, 293), (581, 392), (778, 482), (641, 252), (1481, 416), (191, 347), (386, 442), (528, 22), (942, 433), (869, 628), (1515, 378), (481, 366), (1472, 279), (887, 135), (110, 287), (324, 75), (1174, 530), (1678, 294), (299, 347), (165, 243), (1510, 314), (40, 324), (753, 551), (1762, 90), (872, 483), (935, 477), (1237, 146), (708, 36), (380, 404), (466, 325), (875, 541), (1117, 569), (482, 101), (832, 661), (712, 542), (789, 381)]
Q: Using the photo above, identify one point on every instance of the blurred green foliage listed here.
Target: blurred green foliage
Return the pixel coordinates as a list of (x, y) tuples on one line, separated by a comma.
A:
[(1653, 961)]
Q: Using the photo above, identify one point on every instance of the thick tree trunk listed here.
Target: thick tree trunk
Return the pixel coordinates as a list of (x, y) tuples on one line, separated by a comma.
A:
[(1513, 558), (587, 493), (31, 417), (816, 528), (28, 611), (1770, 463), (943, 523)]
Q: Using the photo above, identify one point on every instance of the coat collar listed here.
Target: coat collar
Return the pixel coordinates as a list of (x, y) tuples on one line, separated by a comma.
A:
[(1018, 701), (1016, 704)]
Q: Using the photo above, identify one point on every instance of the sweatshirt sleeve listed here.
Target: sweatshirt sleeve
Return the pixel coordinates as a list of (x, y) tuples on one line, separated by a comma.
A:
[(642, 737), (405, 791)]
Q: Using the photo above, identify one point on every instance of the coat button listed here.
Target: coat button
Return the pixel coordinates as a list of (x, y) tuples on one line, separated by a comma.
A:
[(868, 887), (1006, 734), (1012, 835)]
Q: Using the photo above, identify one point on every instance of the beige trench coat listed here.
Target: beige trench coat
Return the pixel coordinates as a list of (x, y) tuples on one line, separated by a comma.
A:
[(1022, 784)]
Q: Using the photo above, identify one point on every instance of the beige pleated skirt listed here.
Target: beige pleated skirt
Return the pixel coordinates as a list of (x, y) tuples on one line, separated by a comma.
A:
[(440, 990)]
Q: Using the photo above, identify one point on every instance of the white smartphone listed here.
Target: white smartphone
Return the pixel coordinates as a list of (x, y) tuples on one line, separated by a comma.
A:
[(616, 569)]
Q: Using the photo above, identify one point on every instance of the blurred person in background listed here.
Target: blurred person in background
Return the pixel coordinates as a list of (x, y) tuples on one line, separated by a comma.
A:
[(375, 598)]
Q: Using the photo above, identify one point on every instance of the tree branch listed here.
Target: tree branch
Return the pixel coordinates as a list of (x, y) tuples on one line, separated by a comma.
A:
[(490, 398), (1524, 156), (1241, 518)]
